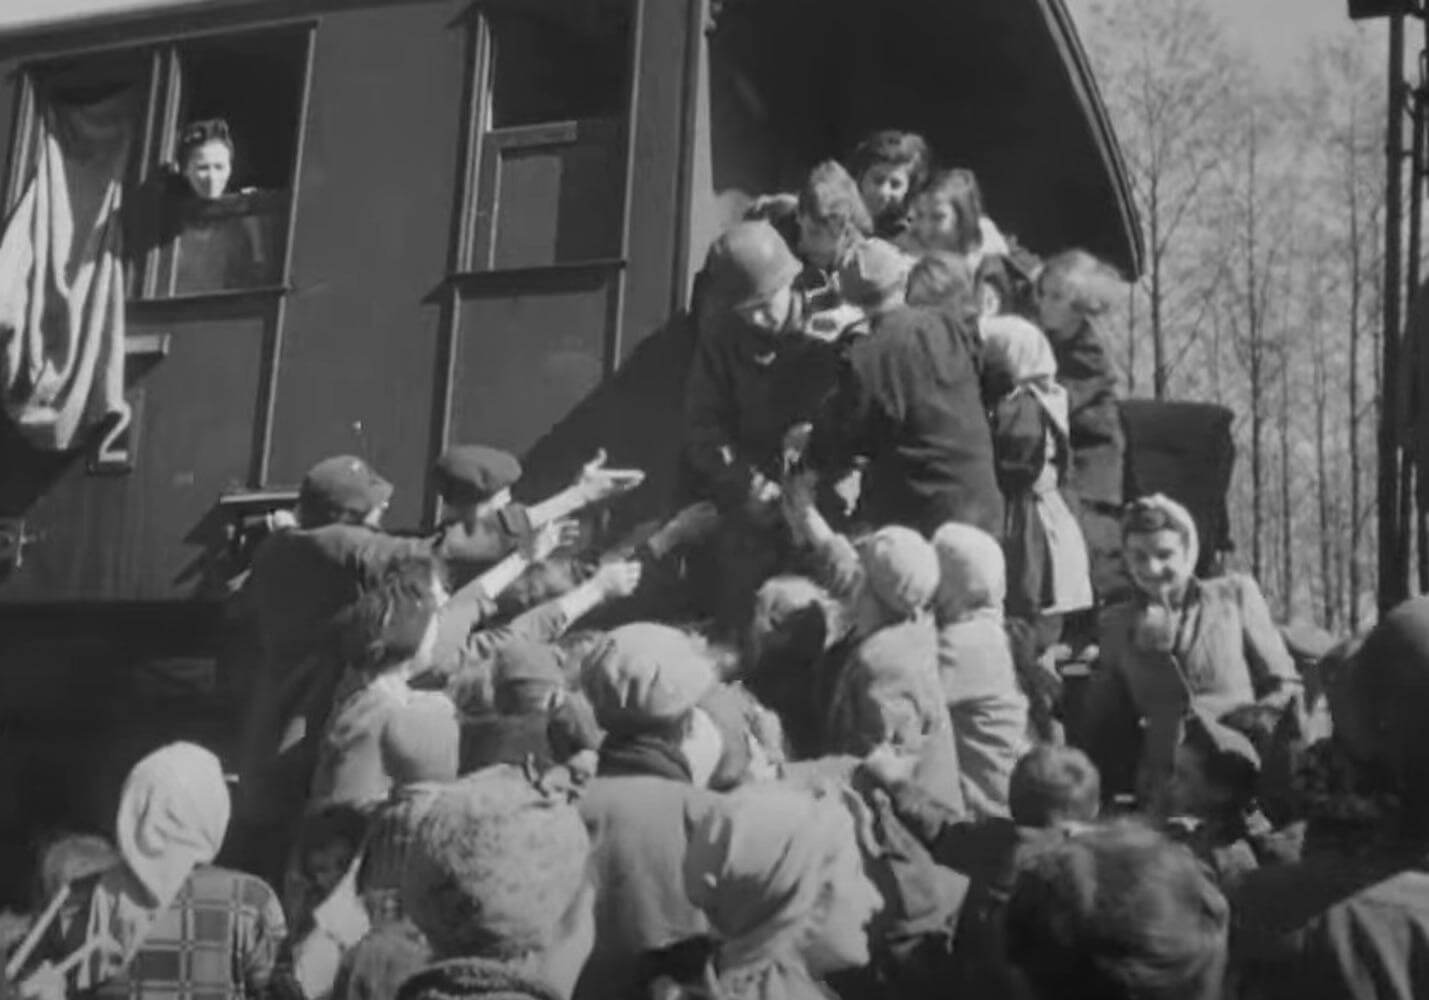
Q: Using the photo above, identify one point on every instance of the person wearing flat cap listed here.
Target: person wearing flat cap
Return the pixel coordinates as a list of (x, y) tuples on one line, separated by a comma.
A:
[(482, 523), (908, 402), (644, 682), (1353, 924), (1209, 801), (302, 579)]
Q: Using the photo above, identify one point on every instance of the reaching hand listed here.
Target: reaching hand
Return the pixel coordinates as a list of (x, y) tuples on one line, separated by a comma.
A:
[(889, 766), (552, 537), (597, 482), (618, 579)]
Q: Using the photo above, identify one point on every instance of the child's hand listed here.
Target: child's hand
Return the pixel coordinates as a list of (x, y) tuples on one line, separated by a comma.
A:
[(618, 579), (552, 537), (889, 766), (597, 482)]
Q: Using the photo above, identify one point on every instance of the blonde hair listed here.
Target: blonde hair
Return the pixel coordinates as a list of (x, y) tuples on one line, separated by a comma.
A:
[(1092, 284)]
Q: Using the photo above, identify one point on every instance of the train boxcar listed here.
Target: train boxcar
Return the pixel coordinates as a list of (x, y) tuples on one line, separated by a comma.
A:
[(451, 221)]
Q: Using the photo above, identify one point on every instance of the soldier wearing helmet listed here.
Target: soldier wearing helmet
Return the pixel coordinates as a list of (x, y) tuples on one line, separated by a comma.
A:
[(754, 374)]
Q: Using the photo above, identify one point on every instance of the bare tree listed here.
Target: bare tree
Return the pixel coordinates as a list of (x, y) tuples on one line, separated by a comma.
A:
[(1168, 76)]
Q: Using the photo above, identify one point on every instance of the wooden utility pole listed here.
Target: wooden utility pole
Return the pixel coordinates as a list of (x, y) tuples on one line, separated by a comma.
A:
[(1393, 564)]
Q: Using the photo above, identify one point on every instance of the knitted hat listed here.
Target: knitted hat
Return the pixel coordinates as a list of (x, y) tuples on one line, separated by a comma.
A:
[(750, 262), (901, 569), (343, 484), (420, 741), (644, 676), (872, 271), (471, 473), (495, 865), (972, 568)]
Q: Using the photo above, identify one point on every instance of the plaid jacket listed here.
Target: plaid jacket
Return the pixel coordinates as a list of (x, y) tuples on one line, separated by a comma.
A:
[(218, 940)]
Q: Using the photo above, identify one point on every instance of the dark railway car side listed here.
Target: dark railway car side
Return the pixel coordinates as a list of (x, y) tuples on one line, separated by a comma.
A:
[(482, 220)]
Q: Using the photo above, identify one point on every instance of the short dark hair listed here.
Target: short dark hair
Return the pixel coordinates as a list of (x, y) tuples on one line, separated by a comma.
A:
[(1052, 785), (386, 625), (1115, 913), (896, 149)]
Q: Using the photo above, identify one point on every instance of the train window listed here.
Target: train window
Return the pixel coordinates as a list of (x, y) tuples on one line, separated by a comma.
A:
[(549, 67), (232, 152), (551, 179)]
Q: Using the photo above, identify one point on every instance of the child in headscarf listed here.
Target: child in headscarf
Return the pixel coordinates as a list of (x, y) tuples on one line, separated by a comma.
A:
[(137, 928), (976, 666), (1048, 569), (779, 874), (883, 675)]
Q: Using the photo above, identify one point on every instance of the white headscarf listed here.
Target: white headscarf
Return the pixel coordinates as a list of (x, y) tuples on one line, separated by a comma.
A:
[(173, 813), (1021, 352)]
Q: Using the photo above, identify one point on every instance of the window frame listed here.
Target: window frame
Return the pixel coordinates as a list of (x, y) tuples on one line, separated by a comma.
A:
[(158, 135), (477, 221)]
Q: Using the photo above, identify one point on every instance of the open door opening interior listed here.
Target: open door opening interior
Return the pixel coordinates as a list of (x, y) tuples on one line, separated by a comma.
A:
[(998, 86)]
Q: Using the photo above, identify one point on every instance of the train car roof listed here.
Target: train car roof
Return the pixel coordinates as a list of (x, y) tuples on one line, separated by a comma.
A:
[(47, 22)]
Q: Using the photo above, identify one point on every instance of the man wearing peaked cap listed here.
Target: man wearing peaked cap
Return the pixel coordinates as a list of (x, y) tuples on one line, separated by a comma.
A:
[(645, 677), (483, 524), (301, 579), (644, 683)]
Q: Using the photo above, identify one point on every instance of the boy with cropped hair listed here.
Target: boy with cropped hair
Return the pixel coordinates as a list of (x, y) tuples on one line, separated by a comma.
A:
[(1055, 792)]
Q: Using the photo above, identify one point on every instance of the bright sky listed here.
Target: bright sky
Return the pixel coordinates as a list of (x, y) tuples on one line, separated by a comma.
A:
[(1280, 31)]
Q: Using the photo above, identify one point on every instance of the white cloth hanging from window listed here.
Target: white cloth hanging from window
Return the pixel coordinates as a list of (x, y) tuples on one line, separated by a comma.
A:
[(62, 279)]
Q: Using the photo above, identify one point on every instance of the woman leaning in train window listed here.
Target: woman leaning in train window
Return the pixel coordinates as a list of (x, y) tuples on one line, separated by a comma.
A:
[(220, 241)]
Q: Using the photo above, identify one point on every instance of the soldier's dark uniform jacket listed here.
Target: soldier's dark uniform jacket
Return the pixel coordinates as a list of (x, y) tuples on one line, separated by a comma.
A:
[(909, 400), (745, 390)]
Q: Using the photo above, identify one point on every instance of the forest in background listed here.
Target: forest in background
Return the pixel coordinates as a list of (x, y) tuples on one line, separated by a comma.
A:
[(1262, 205)]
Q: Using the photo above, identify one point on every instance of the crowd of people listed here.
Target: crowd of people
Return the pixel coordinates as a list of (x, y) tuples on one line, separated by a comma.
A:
[(807, 738)]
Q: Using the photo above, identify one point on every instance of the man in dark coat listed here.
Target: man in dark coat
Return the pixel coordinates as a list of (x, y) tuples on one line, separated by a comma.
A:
[(754, 376), (302, 579), (909, 402), (482, 524)]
